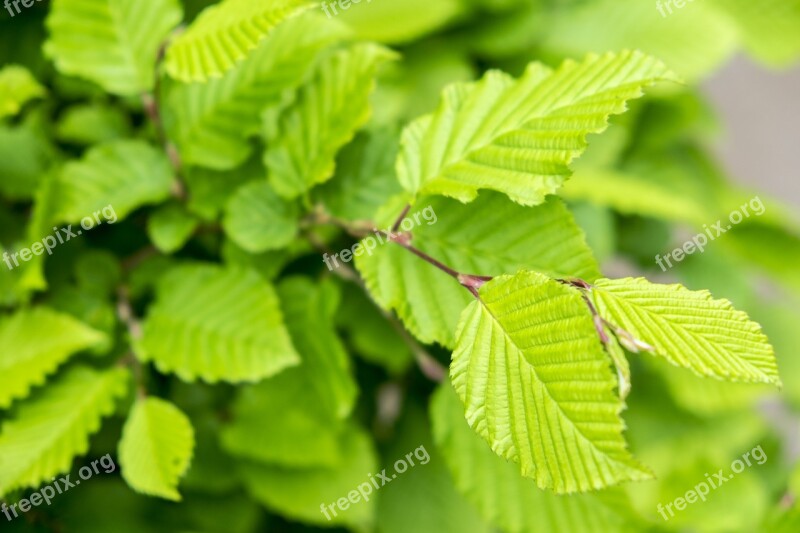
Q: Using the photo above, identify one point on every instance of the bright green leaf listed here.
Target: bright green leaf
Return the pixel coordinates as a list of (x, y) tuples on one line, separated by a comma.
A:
[(113, 43), (52, 428), (257, 219), (302, 143), (537, 386), (689, 329), (156, 448), (211, 122), (519, 136), (223, 34), (35, 342), (216, 324), (122, 174), (170, 227), (508, 500), (17, 87)]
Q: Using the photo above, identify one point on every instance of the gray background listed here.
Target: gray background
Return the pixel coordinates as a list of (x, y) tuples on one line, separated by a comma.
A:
[(760, 114)]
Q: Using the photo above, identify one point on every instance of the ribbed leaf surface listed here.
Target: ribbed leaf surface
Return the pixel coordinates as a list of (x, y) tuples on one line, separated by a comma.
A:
[(113, 43), (508, 500), (53, 428), (490, 236), (35, 342), (124, 174), (519, 136), (156, 448), (210, 122), (537, 386), (257, 219), (223, 34), (17, 87), (216, 324), (302, 144), (689, 328)]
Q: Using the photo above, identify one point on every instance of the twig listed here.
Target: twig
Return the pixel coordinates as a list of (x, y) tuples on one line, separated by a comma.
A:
[(134, 327)]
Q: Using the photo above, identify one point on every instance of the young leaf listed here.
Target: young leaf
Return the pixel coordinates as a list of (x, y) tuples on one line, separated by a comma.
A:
[(113, 43), (211, 122), (490, 236), (170, 227), (507, 500), (123, 174), (17, 87), (52, 428), (689, 329), (35, 342), (87, 124), (156, 448), (537, 386), (257, 219), (223, 34), (298, 493), (302, 144), (519, 136), (216, 324)]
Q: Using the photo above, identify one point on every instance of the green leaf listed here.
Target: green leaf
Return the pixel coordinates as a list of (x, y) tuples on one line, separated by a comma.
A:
[(519, 136), (507, 500), (282, 421), (26, 154), (302, 143), (156, 448), (364, 178), (257, 219), (223, 35), (35, 343), (693, 41), (489, 237), (209, 191), (427, 488), (298, 493), (122, 174), (537, 386), (52, 428), (395, 22), (113, 43), (689, 329), (170, 227), (216, 324), (309, 310), (88, 124), (17, 87), (768, 29), (211, 122)]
